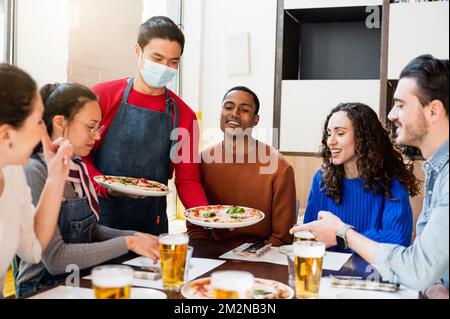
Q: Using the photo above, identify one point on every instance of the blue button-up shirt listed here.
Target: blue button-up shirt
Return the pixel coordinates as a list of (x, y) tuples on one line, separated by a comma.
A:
[(426, 261)]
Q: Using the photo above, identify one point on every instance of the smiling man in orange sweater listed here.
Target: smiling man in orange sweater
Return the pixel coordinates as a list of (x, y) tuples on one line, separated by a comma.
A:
[(243, 171)]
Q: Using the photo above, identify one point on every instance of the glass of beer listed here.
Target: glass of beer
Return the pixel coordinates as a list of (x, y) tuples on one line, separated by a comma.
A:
[(230, 284), (112, 281), (308, 258), (304, 236), (173, 250)]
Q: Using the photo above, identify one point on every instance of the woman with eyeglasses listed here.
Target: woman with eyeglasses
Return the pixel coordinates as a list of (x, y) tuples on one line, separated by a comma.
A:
[(72, 112), (26, 230)]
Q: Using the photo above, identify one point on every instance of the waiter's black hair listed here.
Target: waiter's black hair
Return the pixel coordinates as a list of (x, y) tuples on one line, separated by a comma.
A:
[(246, 90), (17, 92), (162, 28)]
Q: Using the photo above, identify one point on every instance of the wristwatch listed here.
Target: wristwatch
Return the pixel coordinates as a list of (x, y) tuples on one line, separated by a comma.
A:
[(340, 236)]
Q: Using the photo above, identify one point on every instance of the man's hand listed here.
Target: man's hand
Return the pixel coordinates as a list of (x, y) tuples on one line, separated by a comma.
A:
[(324, 228)]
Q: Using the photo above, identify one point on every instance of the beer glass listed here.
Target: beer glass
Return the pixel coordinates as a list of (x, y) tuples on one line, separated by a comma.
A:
[(232, 284), (308, 258), (173, 250), (112, 281), (304, 236)]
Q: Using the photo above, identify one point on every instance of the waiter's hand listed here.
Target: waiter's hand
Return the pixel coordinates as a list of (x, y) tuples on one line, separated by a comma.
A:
[(117, 194)]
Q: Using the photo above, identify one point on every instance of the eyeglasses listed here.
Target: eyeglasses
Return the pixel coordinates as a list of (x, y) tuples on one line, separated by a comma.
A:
[(94, 130)]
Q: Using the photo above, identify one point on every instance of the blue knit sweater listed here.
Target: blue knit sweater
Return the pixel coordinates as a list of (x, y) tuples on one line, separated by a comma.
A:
[(375, 216)]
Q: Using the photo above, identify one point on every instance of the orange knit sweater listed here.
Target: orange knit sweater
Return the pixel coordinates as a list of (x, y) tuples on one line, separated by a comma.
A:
[(246, 184)]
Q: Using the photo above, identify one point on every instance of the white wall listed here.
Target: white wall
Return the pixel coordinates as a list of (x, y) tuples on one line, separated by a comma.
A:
[(42, 39), (192, 59), (258, 18), (307, 103), (416, 29), (102, 38)]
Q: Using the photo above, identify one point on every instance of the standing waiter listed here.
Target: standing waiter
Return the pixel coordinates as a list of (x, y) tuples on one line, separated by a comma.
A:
[(139, 115)]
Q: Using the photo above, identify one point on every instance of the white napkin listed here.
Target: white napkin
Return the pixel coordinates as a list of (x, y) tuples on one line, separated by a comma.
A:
[(199, 266), (331, 261)]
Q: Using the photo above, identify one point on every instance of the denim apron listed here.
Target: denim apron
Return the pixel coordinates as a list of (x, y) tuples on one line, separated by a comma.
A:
[(137, 145), (76, 224)]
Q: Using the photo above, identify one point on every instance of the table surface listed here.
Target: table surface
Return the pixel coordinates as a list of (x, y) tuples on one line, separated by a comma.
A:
[(355, 266)]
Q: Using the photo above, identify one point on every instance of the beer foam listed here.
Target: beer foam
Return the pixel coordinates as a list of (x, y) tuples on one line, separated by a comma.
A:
[(174, 240), (304, 235), (112, 278), (232, 280), (313, 250)]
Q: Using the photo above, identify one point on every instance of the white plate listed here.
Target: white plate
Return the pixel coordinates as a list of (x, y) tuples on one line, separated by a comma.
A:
[(366, 294), (186, 294), (131, 191), (146, 293), (223, 225)]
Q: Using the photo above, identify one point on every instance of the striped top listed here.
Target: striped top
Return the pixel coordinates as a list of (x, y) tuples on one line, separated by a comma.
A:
[(374, 215)]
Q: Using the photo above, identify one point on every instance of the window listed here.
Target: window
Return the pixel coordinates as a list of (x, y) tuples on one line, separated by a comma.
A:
[(6, 30)]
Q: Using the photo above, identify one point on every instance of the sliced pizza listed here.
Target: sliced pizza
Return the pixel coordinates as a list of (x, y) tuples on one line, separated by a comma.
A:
[(262, 289), (132, 183), (223, 214)]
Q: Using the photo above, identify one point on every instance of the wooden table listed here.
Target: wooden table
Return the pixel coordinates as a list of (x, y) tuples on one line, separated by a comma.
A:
[(355, 266)]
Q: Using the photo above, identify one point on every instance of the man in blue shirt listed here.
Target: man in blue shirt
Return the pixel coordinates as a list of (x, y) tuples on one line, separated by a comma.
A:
[(421, 115)]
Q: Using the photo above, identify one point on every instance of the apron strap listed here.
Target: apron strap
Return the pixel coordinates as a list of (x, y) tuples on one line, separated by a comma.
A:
[(127, 90), (169, 103)]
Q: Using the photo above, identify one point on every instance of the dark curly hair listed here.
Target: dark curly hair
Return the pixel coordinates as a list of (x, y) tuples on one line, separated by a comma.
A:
[(378, 161)]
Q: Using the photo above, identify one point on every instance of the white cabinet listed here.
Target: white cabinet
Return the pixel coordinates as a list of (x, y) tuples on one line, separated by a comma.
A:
[(416, 29), (306, 104), (309, 4), (329, 57)]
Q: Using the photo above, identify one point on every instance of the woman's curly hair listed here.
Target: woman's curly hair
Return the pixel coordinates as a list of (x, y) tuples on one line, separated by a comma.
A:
[(378, 161)]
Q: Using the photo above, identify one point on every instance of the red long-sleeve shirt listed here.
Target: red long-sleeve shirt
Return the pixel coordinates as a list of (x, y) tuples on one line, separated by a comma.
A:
[(187, 177)]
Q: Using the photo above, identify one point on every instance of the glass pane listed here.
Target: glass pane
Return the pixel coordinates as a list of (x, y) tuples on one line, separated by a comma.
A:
[(3, 30)]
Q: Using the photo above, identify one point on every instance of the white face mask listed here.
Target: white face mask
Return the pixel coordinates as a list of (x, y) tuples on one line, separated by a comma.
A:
[(157, 75)]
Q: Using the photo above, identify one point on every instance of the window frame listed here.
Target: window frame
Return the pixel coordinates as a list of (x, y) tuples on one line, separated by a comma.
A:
[(9, 49)]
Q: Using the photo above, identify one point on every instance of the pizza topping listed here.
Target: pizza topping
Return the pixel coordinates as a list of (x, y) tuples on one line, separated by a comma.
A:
[(261, 292), (235, 210), (209, 214)]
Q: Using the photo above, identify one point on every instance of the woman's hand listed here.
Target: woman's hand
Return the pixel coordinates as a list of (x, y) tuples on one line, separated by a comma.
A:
[(144, 246), (58, 155)]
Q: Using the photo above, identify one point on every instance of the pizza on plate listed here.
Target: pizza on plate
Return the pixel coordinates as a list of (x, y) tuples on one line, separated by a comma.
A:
[(132, 183), (262, 289), (223, 214)]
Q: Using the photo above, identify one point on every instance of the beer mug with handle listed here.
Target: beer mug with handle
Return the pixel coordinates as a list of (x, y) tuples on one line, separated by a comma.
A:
[(173, 249)]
